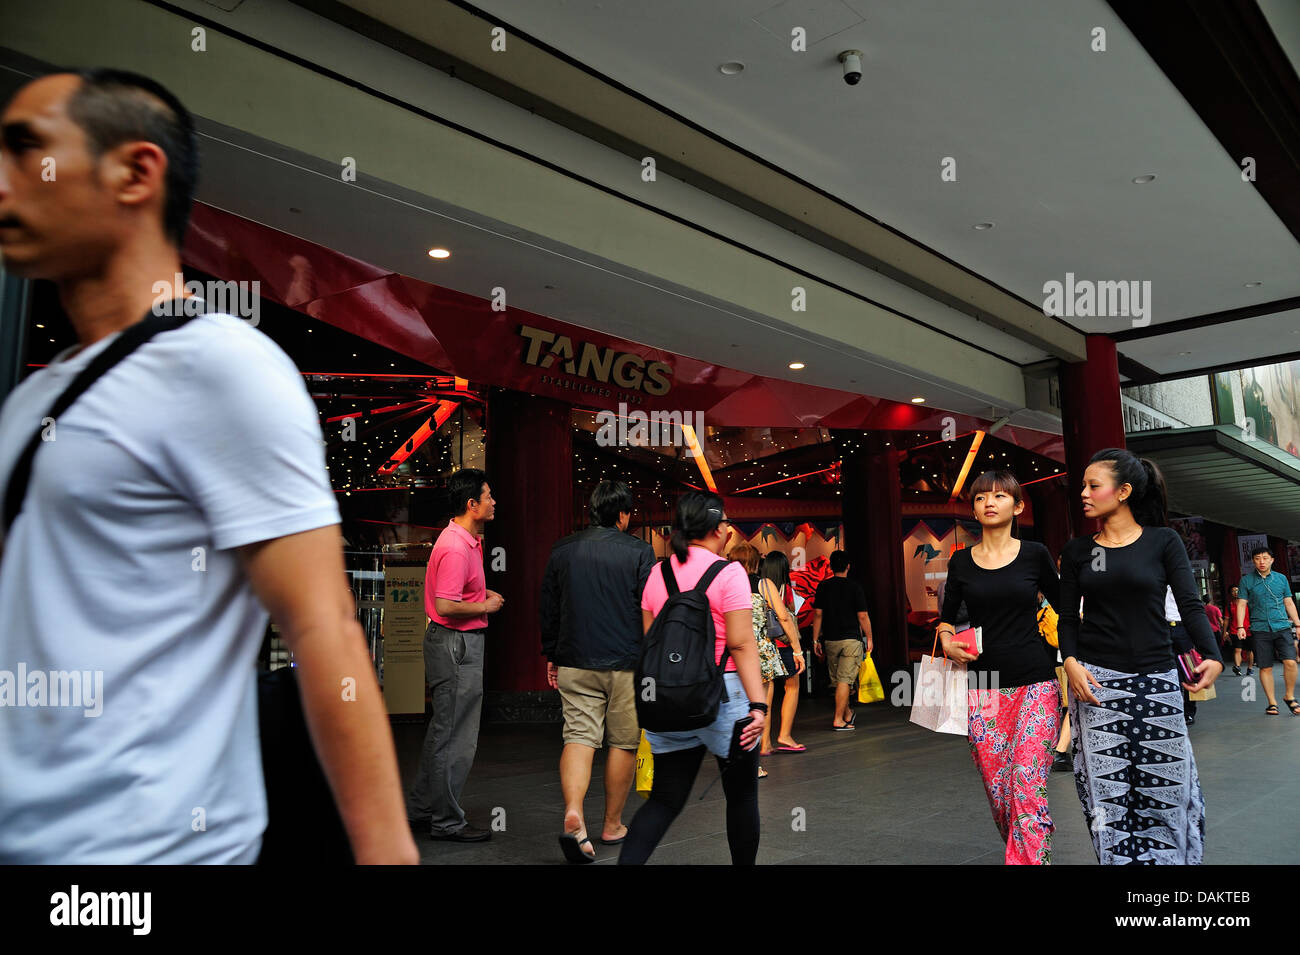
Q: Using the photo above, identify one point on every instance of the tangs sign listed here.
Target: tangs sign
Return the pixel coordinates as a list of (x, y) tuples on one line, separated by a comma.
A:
[(608, 366)]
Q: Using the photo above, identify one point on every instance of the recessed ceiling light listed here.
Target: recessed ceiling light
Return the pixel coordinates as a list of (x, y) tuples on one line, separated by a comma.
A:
[(1143, 180), (731, 68), (439, 253), (1254, 284), (796, 366), (918, 401), (982, 226)]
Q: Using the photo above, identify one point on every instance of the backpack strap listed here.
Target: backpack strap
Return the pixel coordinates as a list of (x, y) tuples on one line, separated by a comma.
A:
[(710, 575), (131, 338), (705, 580), (670, 579)]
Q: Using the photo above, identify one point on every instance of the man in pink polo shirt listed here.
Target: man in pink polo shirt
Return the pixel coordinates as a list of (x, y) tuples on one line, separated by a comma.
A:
[(457, 601)]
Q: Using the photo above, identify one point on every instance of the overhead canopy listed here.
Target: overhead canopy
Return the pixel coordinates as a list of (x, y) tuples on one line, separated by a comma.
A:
[(469, 337), (1217, 472)]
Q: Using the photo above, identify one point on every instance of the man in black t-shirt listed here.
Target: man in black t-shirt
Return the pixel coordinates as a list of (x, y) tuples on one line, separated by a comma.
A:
[(841, 614)]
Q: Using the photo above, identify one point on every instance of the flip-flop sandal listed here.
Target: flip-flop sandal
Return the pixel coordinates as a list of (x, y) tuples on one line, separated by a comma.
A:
[(613, 842), (852, 720), (766, 752), (762, 773), (1270, 710), (572, 848), (1293, 706), (791, 749), (841, 729)]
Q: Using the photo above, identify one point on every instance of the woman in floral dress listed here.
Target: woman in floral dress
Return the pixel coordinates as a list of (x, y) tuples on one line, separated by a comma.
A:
[(769, 659)]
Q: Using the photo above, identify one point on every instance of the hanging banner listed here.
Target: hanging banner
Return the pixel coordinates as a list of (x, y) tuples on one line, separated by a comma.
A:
[(1245, 544), (1191, 530)]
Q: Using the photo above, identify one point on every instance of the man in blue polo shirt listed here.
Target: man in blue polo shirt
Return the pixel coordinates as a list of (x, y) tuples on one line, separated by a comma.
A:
[(1274, 626)]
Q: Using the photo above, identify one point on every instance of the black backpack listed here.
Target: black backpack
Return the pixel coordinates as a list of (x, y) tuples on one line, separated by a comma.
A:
[(678, 686)]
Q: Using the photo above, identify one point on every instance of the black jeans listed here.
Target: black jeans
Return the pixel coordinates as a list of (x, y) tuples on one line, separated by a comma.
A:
[(674, 775)]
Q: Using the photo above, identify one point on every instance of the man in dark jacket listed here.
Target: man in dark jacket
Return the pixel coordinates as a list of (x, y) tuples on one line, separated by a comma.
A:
[(591, 638)]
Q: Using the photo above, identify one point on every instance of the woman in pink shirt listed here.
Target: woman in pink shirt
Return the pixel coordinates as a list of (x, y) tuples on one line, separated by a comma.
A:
[(700, 532)]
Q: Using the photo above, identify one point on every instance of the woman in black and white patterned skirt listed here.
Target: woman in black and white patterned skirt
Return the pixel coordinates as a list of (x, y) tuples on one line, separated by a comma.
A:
[(1133, 763)]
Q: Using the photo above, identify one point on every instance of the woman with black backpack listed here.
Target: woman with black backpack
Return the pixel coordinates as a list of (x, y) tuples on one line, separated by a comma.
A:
[(700, 532)]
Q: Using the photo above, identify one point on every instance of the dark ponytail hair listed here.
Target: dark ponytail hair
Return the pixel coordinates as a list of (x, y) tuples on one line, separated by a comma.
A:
[(775, 566), (1149, 502), (698, 515)]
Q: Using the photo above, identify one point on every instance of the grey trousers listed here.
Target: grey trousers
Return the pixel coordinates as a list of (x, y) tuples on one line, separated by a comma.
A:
[(453, 669)]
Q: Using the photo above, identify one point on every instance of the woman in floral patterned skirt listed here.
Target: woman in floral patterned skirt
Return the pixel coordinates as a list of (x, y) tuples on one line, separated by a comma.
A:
[(769, 659), (1013, 699)]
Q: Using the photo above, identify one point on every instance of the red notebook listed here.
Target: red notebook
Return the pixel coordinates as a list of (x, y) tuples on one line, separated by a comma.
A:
[(973, 637)]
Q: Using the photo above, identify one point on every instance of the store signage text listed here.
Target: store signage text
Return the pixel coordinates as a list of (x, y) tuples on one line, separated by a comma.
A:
[(585, 360)]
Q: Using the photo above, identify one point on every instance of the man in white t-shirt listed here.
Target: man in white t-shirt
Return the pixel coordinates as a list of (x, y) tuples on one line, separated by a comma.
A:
[(169, 508)]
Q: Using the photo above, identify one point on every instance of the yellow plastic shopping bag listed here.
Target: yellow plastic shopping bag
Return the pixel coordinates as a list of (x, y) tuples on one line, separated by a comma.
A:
[(1047, 622), (869, 688), (645, 767)]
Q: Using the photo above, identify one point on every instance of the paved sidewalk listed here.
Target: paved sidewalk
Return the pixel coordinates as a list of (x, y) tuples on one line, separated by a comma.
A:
[(888, 793)]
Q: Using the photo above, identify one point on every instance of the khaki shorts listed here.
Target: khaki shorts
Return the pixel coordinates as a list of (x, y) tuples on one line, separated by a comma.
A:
[(844, 659), (597, 701)]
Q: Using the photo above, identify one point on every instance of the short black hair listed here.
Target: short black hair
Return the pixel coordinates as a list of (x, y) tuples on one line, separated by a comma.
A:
[(462, 487), (608, 501), (839, 562), (1261, 550), (117, 106)]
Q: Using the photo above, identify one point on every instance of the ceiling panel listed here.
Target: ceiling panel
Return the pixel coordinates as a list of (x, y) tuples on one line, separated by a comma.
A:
[(1047, 136)]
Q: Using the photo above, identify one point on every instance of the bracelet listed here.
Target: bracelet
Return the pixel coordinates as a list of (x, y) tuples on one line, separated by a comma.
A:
[(797, 653), (761, 707)]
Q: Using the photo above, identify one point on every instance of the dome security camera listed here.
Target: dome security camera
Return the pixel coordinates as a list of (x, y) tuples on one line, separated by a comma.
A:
[(852, 60)]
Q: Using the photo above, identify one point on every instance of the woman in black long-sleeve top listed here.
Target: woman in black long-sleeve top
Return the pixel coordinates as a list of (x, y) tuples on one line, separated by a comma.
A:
[(1133, 762), (1014, 708)]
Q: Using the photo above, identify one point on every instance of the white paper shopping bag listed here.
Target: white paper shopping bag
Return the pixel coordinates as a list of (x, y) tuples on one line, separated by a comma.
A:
[(940, 700)]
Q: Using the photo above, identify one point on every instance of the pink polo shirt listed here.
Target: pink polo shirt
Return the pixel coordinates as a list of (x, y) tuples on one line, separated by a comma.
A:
[(729, 590), (455, 573)]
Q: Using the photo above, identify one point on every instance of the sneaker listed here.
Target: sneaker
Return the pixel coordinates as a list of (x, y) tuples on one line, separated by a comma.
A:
[(1191, 718), (1062, 763), (1249, 671), (466, 833), (1236, 670)]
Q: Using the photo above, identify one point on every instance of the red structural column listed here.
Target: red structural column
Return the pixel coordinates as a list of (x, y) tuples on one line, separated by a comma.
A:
[(1092, 417), (1050, 502), (530, 471), (1280, 562), (873, 532)]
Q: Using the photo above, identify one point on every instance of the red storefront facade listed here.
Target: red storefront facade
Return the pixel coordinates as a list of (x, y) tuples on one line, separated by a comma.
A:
[(535, 370)]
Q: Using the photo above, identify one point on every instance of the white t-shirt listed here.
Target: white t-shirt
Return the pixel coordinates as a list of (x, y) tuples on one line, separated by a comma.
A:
[(203, 438)]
